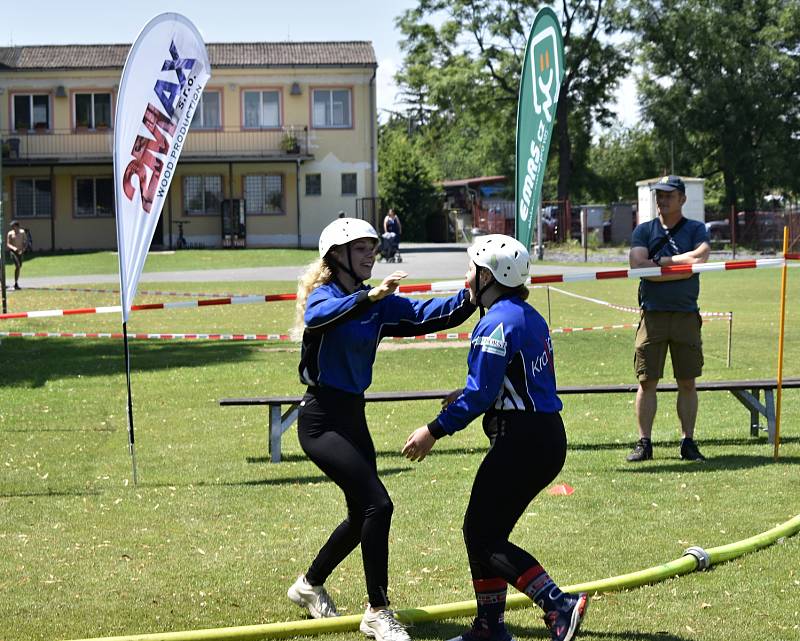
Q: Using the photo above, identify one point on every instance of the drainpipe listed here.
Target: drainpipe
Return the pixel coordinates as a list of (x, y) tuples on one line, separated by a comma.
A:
[(373, 164), (52, 209), (3, 241), (297, 198)]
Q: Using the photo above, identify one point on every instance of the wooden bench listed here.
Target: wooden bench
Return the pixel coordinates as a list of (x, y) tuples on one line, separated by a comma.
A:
[(747, 392)]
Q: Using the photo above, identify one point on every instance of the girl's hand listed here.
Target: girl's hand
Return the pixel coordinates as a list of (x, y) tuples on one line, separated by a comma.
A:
[(387, 287), (418, 444)]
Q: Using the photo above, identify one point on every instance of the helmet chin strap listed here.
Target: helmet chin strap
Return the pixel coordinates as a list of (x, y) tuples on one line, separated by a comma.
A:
[(349, 267), (481, 290)]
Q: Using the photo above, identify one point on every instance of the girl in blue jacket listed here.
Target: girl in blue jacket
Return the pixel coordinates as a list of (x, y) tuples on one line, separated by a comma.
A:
[(342, 322), (511, 382)]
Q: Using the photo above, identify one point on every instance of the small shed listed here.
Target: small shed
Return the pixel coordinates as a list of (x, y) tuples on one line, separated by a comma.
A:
[(694, 207)]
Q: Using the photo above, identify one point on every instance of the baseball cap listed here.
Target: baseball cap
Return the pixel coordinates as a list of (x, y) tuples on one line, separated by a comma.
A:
[(14, 223), (669, 183)]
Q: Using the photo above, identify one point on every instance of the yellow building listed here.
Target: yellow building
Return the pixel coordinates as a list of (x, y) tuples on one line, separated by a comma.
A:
[(286, 132)]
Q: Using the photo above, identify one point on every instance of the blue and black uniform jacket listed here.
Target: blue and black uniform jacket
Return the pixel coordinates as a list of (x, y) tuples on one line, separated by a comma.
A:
[(510, 367), (343, 331)]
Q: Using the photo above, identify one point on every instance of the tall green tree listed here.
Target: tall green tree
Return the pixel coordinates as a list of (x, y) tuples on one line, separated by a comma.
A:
[(406, 182), (619, 158), (721, 82), (461, 78)]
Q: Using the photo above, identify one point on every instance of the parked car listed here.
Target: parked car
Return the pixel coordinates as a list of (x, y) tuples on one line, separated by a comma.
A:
[(718, 230)]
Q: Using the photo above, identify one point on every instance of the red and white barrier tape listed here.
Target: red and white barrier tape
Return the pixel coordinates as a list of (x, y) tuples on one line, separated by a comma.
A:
[(646, 272), (439, 336), (142, 292), (442, 286), (622, 308)]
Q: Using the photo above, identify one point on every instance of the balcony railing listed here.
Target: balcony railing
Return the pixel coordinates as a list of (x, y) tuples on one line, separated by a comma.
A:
[(212, 144)]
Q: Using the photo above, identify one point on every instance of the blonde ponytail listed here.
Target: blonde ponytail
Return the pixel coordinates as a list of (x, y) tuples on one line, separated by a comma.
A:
[(316, 274)]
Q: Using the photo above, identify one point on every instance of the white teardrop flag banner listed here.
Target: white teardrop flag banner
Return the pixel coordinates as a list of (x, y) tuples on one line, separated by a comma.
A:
[(162, 81)]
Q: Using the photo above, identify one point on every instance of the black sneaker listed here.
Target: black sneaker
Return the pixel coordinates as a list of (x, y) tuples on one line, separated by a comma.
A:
[(642, 451), (480, 631), (564, 622), (16, 286), (689, 451)]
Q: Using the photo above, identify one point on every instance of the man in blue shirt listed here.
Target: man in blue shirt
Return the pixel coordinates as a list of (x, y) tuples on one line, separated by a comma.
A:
[(670, 317)]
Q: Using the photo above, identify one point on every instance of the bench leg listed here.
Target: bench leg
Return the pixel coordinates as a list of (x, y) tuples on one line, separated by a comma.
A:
[(770, 403), (274, 436), (278, 424), (751, 400), (755, 421)]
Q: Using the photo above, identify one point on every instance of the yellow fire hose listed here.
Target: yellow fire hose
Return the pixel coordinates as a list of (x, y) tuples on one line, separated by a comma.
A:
[(695, 558)]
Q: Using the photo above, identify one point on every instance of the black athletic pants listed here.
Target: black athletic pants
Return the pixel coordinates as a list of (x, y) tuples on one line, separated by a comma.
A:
[(527, 452), (333, 433)]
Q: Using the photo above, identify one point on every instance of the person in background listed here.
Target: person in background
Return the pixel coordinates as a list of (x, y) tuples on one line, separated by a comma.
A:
[(16, 244), (391, 223), (670, 316), (393, 229), (511, 381), (342, 320)]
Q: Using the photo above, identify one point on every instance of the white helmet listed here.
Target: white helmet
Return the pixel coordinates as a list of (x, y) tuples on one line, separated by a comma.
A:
[(343, 230), (504, 256)]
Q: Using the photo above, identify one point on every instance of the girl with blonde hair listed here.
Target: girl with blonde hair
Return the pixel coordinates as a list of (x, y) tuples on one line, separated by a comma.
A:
[(343, 320)]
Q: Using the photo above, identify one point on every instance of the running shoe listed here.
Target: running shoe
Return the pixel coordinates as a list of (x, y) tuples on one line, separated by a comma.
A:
[(564, 621), (314, 598), (382, 626), (480, 631)]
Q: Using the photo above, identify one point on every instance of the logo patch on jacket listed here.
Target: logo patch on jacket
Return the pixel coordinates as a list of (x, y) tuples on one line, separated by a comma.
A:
[(494, 343)]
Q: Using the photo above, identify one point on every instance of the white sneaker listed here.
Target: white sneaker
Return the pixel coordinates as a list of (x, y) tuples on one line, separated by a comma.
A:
[(314, 598), (382, 626)]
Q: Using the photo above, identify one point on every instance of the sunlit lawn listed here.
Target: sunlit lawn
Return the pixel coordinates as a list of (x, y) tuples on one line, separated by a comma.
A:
[(213, 534)]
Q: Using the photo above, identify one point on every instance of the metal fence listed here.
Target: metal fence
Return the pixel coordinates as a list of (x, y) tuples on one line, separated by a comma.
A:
[(81, 145)]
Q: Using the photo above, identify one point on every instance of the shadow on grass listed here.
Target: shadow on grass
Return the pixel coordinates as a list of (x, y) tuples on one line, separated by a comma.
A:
[(450, 630), (294, 480), (675, 443), (725, 463), (49, 493), (52, 359), (297, 457)]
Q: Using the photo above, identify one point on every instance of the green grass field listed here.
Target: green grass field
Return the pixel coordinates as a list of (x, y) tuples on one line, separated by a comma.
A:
[(107, 262), (214, 534)]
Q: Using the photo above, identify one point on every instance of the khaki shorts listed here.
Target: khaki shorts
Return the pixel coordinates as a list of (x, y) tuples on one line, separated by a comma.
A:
[(678, 331)]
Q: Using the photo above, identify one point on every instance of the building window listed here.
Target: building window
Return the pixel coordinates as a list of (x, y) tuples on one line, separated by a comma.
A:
[(202, 195), (313, 184), (208, 114), (31, 111), (264, 194), (331, 108), (31, 197), (349, 185), (262, 109), (93, 110), (94, 197)]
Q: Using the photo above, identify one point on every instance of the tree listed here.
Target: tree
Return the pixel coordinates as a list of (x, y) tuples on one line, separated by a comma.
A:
[(722, 82), (619, 158), (405, 181), (461, 80)]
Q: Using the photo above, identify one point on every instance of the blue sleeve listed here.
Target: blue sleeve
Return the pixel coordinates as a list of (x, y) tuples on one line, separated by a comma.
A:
[(487, 363), (324, 310), (640, 237), (401, 316), (700, 235)]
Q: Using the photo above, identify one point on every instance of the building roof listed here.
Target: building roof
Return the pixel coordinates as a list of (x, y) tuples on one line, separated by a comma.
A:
[(221, 55), (468, 182)]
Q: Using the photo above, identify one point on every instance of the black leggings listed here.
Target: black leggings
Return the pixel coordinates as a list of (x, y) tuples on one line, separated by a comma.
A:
[(333, 433), (527, 452)]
